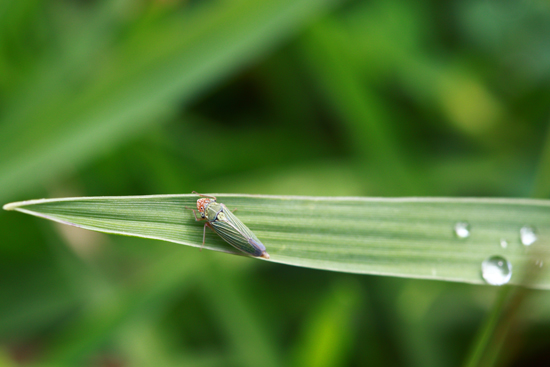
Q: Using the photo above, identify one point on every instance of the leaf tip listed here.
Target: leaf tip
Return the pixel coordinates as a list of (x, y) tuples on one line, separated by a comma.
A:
[(18, 204), (10, 206)]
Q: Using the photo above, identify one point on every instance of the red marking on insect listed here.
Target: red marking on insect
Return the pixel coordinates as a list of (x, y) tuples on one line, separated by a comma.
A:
[(202, 203)]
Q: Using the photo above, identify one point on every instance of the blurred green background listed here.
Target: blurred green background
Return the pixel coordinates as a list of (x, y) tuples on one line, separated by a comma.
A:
[(289, 97)]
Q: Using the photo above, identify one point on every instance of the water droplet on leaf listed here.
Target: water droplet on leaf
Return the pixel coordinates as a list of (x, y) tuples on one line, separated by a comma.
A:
[(527, 235), (462, 230), (496, 270)]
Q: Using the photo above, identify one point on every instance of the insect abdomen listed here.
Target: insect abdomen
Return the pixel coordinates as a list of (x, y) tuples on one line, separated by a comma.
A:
[(235, 238)]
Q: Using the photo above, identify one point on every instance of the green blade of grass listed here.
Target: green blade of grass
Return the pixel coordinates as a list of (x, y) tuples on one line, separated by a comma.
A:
[(328, 331), (541, 187), (406, 237), (49, 126)]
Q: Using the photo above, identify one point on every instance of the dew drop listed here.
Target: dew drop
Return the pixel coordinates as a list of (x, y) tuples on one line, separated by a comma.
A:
[(503, 243), (527, 235), (496, 270), (462, 230)]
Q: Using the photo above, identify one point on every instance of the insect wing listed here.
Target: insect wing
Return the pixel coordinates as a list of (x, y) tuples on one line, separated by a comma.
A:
[(242, 228), (237, 234)]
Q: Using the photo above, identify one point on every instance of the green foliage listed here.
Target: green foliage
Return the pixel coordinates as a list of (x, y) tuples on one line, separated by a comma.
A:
[(412, 238), (301, 97)]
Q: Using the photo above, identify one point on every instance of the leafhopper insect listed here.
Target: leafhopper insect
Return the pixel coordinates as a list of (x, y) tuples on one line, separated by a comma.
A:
[(228, 226)]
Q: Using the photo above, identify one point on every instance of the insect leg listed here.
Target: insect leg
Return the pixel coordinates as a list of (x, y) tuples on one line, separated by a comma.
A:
[(205, 196), (195, 214), (203, 235), (196, 218)]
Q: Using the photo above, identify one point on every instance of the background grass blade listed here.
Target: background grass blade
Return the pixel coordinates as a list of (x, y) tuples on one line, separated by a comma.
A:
[(144, 77), (408, 237)]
